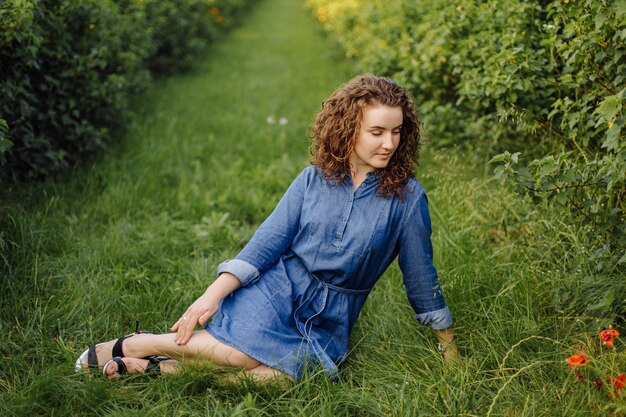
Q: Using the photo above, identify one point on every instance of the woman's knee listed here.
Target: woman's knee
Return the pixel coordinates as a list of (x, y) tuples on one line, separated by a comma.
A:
[(263, 372), (239, 359)]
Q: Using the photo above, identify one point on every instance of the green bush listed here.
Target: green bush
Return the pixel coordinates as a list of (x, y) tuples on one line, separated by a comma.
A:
[(68, 67), (188, 25), (63, 87), (541, 83)]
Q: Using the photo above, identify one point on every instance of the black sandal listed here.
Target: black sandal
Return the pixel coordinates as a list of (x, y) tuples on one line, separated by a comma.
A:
[(153, 367), (154, 364), (91, 358), (121, 366)]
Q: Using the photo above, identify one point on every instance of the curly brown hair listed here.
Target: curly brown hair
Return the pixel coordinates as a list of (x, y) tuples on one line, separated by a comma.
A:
[(337, 125)]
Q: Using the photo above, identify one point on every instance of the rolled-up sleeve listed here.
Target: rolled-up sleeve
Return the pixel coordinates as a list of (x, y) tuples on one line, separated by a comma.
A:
[(245, 272), (272, 239), (418, 271), (436, 320)]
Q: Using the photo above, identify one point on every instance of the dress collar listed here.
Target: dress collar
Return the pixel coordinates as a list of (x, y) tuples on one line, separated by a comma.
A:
[(368, 185)]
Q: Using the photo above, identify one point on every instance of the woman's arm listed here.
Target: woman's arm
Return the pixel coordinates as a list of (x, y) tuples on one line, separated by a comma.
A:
[(204, 307), (420, 276), (271, 240)]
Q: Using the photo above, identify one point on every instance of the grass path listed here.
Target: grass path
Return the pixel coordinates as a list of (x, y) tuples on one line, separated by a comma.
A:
[(138, 236)]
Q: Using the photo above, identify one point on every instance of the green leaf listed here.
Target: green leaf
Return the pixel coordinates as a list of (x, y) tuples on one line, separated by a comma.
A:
[(5, 145), (498, 158), (546, 166), (620, 8), (609, 107), (561, 199), (612, 137), (601, 18), (524, 174)]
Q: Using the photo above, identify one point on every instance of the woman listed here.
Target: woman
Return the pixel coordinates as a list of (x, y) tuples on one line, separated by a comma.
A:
[(288, 301)]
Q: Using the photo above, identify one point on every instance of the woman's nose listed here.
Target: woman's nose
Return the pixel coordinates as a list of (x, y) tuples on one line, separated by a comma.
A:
[(387, 141)]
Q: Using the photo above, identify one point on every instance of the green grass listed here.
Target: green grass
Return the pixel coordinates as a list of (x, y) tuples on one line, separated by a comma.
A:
[(137, 236)]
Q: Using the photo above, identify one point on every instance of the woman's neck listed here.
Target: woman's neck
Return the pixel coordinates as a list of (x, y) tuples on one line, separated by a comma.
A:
[(358, 177)]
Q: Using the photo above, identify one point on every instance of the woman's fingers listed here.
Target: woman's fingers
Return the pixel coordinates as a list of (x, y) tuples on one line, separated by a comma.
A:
[(205, 317), (175, 326), (186, 326), (198, 313), (178, 323)]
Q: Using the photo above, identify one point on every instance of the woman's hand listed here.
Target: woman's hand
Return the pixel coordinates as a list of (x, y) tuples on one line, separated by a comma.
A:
[(446, 345), (451, 354), (198, 313), (204, 307)]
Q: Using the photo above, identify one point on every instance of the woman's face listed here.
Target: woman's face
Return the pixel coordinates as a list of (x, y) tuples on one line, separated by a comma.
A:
[(377, 139)]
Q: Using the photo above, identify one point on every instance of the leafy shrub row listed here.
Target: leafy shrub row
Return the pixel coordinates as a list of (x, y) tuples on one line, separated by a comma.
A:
[(68, 67), (541, 83)]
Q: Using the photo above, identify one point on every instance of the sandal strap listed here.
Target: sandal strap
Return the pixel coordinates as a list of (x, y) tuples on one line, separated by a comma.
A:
[(121, 366), (92, 357), (154, 364), (117, 347)]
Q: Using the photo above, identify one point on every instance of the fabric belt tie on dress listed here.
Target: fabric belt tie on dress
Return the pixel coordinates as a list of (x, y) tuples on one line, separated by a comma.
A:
[(342, 289), (312, 307), (322, 297)]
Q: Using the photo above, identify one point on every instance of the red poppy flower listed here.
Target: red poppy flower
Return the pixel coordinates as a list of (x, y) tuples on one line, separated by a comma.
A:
[(607, 337), (578, 360), (608, 334), (619, 381)]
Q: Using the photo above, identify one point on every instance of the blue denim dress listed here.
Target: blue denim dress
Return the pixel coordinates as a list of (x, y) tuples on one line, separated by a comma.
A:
[(310, 266)]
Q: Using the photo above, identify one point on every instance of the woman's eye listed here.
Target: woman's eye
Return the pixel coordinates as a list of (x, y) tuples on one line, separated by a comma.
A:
[(376, 133)]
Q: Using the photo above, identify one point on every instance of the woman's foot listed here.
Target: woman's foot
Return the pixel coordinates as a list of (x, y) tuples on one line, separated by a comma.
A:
[(155, 365), (111, 369), (98, 355)]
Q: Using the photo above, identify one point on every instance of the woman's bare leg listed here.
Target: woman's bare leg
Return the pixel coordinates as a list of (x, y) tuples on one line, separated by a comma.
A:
[(261, 373), (201, 347)]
